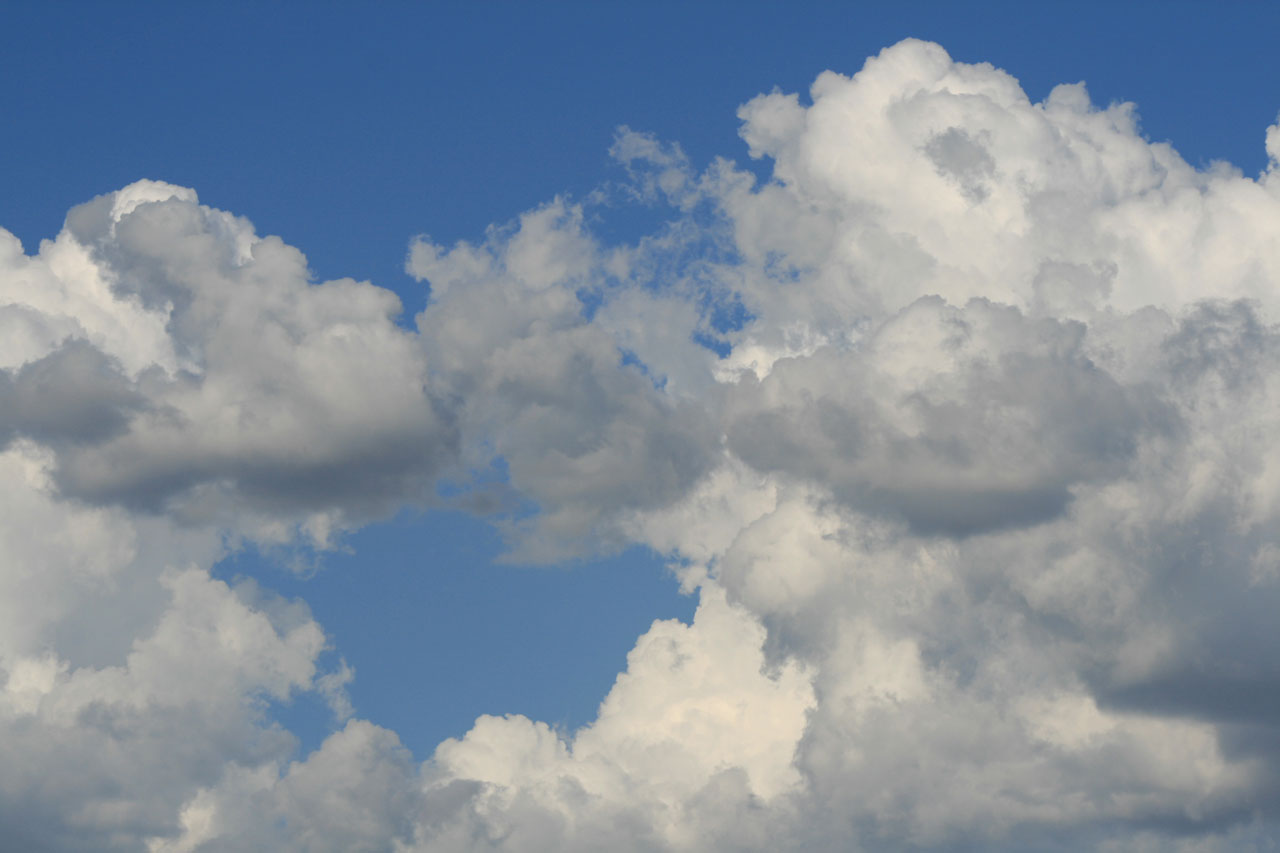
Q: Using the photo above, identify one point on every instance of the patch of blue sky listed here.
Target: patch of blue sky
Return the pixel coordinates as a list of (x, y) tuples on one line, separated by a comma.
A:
[(438, 630), (350, 129), (718, 345), (627, 358), (676, 250), (723, 313)]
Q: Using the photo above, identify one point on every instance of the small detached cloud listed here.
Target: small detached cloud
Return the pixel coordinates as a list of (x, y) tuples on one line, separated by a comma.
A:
[(960, 425)]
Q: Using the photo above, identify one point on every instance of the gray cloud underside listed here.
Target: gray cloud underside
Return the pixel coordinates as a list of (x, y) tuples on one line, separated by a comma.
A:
[(961, 426)]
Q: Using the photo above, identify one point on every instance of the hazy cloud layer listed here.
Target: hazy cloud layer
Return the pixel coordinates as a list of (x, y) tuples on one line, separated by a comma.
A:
[(961, 426)]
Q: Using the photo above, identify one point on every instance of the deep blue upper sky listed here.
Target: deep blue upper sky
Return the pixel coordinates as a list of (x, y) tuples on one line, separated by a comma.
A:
[(346, 127), (349, 128)]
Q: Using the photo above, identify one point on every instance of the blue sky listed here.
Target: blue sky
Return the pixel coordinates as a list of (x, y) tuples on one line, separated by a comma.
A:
[(349, 130), (273, 109)]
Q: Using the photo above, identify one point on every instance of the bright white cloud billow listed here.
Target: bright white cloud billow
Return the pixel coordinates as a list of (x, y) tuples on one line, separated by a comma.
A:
[(961, 426)]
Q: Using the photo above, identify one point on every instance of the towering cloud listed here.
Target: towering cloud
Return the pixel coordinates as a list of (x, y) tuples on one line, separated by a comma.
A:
[(961, 426)]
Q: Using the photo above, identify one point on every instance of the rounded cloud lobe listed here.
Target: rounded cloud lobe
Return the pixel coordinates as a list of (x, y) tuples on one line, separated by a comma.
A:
[(961, 427)]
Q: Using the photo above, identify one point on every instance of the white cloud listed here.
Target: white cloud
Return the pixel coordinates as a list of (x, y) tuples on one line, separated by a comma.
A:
[(222, 380), (980, 505), (101, 756), (693, 721)]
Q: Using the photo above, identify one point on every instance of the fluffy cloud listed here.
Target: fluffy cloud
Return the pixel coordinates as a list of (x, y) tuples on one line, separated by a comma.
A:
[(960, 426), (537, 386), (102, 756), (175, 361), (170, 382)]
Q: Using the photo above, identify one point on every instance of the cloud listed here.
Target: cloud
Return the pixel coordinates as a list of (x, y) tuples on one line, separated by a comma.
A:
[(356, 792), (535, 384), (974, 443), (957, 420), (221, 376), (73, 395), (102, 756), (960, 425)]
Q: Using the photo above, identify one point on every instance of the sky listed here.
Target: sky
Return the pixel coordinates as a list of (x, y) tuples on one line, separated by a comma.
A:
[(724, 426)]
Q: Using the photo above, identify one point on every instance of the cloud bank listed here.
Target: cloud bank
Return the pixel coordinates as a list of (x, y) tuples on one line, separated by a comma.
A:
[(960, 426)]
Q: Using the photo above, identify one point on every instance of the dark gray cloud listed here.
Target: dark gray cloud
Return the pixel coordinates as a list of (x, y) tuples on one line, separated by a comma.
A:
[(1007, 415), (76, 395)]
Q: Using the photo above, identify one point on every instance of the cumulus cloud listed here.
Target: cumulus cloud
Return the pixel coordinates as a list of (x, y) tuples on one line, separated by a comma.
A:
[(184, 364), (537, 386), (960, 425)]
